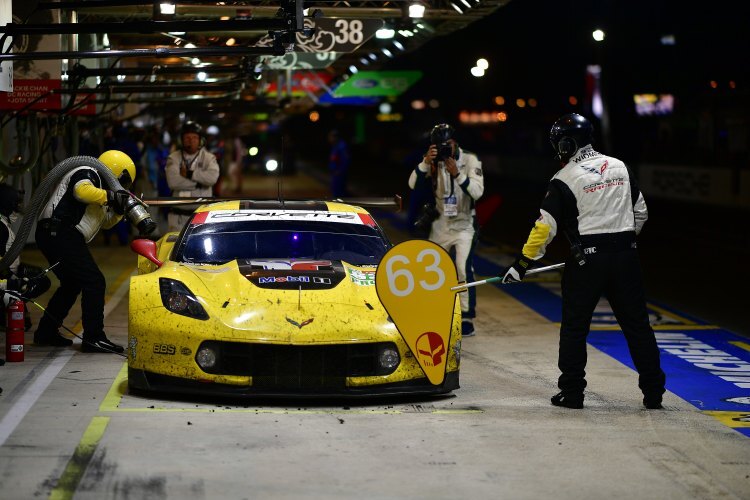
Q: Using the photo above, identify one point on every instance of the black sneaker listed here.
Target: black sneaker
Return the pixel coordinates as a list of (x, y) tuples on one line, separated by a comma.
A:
[(100, 344), (569, 400), (54, 339), (467, 328), (652, 402)]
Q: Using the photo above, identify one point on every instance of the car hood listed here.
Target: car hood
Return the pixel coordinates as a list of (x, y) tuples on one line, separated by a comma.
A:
[(290, 294)]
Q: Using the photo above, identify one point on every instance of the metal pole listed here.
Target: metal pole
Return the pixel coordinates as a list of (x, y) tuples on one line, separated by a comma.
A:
[(500, 278), (160, 52)]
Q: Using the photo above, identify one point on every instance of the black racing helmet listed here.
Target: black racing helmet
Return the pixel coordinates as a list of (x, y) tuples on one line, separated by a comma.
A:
[(441, 133), (570, 133)]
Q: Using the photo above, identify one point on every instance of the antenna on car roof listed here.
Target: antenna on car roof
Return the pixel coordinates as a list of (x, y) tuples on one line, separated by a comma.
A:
[(281, 172)]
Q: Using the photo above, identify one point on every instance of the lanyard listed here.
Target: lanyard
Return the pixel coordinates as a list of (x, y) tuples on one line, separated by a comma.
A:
[(190, 163)]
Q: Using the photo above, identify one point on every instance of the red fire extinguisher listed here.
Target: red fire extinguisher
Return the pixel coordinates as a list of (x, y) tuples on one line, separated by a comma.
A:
[(14, 331)]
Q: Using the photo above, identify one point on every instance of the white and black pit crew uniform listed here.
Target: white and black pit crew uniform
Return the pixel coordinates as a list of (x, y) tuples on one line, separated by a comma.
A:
[(595, 200), (455, 226), (71, 218)]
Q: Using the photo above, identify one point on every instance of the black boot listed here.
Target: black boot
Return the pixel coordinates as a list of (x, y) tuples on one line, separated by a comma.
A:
[(652, 402), (100, 344), (51, 338), (568, 400)]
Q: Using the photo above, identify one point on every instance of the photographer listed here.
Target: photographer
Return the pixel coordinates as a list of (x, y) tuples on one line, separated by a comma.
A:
[(455, 176)]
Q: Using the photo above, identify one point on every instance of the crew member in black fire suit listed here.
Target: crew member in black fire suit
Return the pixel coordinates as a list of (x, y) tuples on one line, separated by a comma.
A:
[(78, 207), (594, 199)]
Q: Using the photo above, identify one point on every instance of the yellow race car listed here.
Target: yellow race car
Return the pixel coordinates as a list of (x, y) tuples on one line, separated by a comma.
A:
[(271, 298)]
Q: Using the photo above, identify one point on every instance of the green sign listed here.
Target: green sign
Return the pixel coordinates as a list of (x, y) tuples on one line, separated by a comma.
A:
[(377, 83)]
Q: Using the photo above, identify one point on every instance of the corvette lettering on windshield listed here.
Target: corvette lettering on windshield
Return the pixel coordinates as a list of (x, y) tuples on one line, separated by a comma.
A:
[(244, 215)]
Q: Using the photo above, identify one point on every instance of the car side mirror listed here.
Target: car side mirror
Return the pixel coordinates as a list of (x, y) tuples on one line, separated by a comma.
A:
[(146, 248)]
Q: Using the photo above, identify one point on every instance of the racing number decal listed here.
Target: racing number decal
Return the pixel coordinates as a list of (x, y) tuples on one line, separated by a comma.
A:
[(414, 281)]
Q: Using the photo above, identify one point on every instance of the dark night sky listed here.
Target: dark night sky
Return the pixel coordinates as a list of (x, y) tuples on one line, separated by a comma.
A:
[(541, 48)]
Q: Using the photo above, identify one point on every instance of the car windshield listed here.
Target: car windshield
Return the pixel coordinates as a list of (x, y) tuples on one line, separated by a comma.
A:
[(218, 243)]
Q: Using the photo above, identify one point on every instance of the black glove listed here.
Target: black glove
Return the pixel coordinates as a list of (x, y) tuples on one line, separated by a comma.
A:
[(35, 286), (118, 200), (517, 271)]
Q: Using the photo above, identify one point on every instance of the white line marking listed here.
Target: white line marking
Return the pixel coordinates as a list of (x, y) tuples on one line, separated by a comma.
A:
[(21, 407), (19, 410)]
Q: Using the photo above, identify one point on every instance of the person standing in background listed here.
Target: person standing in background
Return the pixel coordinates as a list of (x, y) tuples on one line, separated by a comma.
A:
[(456, 180), (339, 160), (192, 171)]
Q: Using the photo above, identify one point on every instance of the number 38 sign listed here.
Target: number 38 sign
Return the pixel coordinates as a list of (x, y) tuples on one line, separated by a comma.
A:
[(413, 282)]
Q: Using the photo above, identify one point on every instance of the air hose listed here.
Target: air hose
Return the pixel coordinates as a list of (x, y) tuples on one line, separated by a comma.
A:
[(40, 196)]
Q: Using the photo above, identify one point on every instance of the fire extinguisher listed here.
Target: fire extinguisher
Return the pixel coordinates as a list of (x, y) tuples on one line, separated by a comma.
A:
[(14, 330)]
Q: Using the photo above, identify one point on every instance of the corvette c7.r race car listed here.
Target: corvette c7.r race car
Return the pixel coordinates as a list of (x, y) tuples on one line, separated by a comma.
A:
[(271, 298)]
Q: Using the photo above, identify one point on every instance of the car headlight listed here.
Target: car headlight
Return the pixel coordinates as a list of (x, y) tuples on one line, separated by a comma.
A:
[(178, 298)]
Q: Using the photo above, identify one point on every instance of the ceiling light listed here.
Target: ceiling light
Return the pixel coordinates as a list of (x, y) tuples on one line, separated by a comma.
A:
[(457, 8), (482, 63), (231, 42), (201, 76), (467, 4), (195, 61), (177, 33), (387, 52), (353, 69), (398, 45), (477, 71), (167, 8), (364, 60), (384, 33), (189, 45), (416, 10)]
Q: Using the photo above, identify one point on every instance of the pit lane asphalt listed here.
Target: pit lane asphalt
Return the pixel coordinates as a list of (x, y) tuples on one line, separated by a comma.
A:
[(77, 433)]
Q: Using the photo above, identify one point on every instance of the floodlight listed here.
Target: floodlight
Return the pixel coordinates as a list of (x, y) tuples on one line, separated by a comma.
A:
[(416, 10), (167, 8)]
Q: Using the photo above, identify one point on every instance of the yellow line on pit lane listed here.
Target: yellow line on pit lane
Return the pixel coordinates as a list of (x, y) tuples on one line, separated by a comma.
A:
[(76, 468), (111, 403), (671, 314), (734, 419), (741, 345)]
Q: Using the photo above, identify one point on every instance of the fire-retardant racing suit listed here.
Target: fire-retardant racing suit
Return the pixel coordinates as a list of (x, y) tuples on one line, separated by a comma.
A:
[(455, 227), (595, 201), (77, 208)]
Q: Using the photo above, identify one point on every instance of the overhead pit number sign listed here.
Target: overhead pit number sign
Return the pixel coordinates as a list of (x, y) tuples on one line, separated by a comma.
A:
[(332, 35), (414, 281)]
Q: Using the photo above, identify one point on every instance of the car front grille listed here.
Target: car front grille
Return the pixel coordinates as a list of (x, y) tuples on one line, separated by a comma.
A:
[(297, 367)]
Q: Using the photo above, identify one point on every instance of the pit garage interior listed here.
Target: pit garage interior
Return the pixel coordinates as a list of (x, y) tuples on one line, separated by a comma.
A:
[(70, 428)]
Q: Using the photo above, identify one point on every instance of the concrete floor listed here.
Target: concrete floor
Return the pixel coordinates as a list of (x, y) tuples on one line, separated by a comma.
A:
[(69, 429)]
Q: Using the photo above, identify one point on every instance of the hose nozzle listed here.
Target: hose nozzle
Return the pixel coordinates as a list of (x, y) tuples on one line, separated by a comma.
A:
[(135, 211)]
